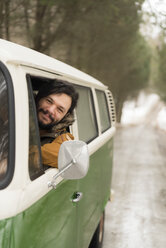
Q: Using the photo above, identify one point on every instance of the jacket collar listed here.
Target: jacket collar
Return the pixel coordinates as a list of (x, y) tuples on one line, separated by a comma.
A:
[(60, 127)]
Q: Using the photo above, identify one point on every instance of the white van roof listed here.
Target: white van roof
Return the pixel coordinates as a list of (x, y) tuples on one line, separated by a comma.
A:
[(17, 54)]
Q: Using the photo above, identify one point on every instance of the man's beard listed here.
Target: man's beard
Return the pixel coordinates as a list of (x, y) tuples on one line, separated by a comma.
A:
[(46, 126)]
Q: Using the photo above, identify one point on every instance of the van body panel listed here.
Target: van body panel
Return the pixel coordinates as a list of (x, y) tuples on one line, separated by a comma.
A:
[(45, 223)]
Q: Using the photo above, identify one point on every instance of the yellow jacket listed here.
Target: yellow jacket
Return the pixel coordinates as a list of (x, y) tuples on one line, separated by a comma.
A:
[(50, 150), (51, 140)]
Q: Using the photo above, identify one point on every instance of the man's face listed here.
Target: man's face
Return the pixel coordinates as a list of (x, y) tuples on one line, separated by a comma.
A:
[(52, 109)]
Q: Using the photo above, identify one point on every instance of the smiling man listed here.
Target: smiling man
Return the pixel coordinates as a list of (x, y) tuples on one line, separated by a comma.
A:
[(55, 103)]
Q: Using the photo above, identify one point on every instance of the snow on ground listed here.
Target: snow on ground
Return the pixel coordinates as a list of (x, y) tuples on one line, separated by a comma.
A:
[(161, 119), (139, 111)]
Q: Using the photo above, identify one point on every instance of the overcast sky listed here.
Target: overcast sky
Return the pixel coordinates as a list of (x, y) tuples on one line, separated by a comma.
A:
[(157, 7)]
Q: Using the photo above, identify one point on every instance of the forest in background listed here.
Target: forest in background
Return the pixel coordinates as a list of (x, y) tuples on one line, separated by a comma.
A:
[(101, 38)]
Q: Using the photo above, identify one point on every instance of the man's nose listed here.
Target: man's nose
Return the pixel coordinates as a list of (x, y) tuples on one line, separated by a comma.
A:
[(52, 110)]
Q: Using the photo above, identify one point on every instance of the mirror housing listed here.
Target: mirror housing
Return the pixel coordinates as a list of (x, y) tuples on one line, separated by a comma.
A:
[(73, 161)]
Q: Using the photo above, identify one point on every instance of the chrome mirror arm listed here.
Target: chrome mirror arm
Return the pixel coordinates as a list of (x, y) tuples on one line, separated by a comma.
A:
[(53, 182)]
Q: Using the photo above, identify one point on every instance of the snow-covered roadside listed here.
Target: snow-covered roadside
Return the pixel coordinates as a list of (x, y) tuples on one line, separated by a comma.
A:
[(161, 119), (140, 111)]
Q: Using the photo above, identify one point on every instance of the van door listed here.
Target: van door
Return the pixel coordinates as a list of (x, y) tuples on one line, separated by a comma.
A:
[(51, 221)]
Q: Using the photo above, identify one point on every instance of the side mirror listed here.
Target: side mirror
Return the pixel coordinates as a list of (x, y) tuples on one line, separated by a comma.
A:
[(73, 161)]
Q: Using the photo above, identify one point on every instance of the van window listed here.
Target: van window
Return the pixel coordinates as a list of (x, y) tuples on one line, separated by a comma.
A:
[(4, 140), (103, 110), (7, 127), (35, 165), (86, 118)]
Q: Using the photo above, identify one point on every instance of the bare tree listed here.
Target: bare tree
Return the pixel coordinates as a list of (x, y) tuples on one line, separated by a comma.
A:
[(5, 19)]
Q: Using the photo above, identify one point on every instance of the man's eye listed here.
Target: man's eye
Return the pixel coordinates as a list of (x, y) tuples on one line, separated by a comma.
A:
[(48, 100), (60, 110)]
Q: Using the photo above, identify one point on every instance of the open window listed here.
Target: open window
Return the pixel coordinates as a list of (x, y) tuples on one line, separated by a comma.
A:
[(35, 159)]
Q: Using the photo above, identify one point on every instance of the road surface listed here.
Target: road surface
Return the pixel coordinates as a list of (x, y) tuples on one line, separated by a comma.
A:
[(136, 218)]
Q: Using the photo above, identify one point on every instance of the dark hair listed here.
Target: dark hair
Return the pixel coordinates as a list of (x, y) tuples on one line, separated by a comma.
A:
[(58, 87)]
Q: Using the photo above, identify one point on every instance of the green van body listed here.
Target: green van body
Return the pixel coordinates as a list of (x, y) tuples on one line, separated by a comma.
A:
[(54, 220)]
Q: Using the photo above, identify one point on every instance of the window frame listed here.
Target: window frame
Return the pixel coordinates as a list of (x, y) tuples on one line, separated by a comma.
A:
[(94, 111), (102, 91), (30, 94), (11, 128)]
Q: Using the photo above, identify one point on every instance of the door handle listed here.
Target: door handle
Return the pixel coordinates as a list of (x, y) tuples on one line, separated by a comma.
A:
[(77, 197)]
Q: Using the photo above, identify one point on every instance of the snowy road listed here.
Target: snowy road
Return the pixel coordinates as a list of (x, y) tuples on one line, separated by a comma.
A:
[(137, 216)]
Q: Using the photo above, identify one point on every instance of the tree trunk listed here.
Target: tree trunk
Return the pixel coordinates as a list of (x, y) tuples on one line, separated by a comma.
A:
[(1, 18), (119, 107), (7, 19)]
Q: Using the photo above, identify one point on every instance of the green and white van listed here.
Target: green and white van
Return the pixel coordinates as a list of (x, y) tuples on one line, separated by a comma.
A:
[(44, 208)]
